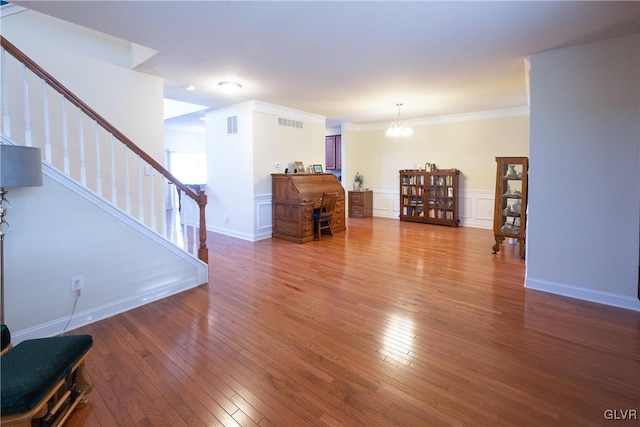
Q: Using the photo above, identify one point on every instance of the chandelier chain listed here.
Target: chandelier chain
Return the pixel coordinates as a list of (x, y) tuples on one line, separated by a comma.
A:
[(399, 128)]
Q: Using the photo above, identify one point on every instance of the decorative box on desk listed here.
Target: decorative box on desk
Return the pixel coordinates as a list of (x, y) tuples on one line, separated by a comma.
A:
[(295, 196), (360, 204)]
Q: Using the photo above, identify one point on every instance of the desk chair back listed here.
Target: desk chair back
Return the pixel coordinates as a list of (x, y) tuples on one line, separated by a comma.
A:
[(324, 215)]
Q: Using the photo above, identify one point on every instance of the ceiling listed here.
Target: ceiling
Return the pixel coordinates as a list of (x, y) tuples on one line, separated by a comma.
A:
[(350, 61)]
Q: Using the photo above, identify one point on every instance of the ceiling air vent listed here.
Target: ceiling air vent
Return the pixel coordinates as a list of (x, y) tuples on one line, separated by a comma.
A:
[(290, 123), (232, 125)]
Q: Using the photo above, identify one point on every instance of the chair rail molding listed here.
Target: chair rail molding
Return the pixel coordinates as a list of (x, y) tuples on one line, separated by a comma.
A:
[(476, 206)]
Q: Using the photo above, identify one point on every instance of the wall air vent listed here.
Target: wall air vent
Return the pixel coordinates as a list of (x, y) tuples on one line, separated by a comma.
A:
[(232, 125), (290, 123)]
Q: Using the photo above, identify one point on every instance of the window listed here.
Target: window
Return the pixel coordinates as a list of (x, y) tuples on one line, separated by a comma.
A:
[(188, 167)]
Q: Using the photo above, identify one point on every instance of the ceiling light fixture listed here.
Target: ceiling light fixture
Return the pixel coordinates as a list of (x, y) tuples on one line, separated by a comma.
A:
[(190, 88), (399, 128), (230, 87)]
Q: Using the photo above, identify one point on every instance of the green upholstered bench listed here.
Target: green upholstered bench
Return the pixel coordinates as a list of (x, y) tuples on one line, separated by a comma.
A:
[(44, 380), (5, 338)]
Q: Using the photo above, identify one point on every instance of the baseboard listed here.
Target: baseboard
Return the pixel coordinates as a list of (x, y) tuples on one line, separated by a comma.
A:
[(232, 233), (600, 297), (475, 207), (475, 210), (475, 223), (380, 213), (95, 314)]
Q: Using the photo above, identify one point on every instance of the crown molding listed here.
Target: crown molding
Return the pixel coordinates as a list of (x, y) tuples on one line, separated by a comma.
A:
[(290, 113), (450, 118)]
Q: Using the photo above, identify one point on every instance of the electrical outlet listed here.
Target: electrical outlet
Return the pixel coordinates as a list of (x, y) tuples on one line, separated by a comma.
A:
[(77, 283)]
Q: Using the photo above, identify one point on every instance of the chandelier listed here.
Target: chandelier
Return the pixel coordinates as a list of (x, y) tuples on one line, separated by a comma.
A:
[(399, 128)]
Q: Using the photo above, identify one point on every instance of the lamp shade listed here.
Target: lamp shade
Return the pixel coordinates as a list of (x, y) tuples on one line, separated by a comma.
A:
[(20, 166)]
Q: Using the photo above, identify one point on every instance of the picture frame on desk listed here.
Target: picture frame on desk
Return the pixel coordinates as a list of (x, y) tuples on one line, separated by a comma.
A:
[(317, 169), (298, 167)]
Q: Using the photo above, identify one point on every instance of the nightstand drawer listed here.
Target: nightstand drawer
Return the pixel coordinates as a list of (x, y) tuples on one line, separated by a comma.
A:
[(357, 197), (360, 204)]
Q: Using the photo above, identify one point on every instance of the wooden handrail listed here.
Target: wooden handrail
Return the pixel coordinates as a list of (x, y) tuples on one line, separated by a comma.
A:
[(200, 198)]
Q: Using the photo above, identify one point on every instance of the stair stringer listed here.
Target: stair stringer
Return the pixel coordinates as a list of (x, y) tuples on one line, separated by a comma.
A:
[(154, 266)]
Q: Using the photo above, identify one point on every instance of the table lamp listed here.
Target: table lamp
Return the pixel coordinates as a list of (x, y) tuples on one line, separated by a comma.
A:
[(19, 167)]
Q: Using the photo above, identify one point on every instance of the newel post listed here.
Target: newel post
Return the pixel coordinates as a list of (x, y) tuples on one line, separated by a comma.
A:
[(203, 252)]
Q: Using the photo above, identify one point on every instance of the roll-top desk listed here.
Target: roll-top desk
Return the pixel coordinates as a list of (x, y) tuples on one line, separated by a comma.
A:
[(294, 196)]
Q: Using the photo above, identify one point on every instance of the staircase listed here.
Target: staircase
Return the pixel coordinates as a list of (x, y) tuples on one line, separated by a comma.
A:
[(121, 192)]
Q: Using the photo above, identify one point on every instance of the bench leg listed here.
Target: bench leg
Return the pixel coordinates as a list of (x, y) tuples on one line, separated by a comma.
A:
[(46, 414), (83, 383)]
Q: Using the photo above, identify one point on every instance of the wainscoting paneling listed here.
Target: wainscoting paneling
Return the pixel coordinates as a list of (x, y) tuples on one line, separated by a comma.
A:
[(386, 202), (475, 209), (263, 223), (475, 206)]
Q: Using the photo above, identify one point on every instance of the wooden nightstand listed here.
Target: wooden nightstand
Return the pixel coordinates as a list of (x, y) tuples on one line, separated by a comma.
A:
[(360, 204)]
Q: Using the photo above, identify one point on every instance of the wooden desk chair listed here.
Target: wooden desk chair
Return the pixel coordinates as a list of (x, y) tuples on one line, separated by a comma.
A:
[(322, 217)]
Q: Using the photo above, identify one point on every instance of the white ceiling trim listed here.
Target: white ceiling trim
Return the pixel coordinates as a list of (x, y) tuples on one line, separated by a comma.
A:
[(290, 113), (451, 118), (173, 108)]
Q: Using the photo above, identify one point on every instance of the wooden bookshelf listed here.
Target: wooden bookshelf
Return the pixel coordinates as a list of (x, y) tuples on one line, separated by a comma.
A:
[(429, 197)]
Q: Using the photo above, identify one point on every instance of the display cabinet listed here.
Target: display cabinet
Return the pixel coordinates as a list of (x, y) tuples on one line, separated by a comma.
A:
[(429, 197), (510, 212)]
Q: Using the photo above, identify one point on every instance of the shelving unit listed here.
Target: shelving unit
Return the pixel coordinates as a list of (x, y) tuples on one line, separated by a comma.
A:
[(429, 197), (411, 195), (510, 212)]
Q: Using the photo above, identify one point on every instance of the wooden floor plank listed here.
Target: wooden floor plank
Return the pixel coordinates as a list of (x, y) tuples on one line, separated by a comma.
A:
[(388, 324)]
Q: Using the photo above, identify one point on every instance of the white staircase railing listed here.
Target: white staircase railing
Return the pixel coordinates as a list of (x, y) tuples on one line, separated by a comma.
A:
[(78, 141)]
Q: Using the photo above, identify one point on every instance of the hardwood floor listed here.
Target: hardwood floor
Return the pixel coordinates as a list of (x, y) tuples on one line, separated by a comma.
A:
[(388, 324)]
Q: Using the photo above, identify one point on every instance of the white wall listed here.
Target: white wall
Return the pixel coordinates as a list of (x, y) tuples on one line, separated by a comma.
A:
[(284, 144), (468, 142), (584, 184), (230, 171), (60, 230), (96, 68), (129, 100), (240, 166), (184, 141)]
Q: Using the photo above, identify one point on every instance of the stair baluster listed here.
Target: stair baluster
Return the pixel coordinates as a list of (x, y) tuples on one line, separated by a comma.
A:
[(56, 127)]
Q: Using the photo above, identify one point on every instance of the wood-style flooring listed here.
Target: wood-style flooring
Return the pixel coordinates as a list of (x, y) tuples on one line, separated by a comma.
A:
[(389, 324)]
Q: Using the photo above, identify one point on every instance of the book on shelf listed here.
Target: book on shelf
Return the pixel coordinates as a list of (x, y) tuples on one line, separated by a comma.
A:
[(432, 196)]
